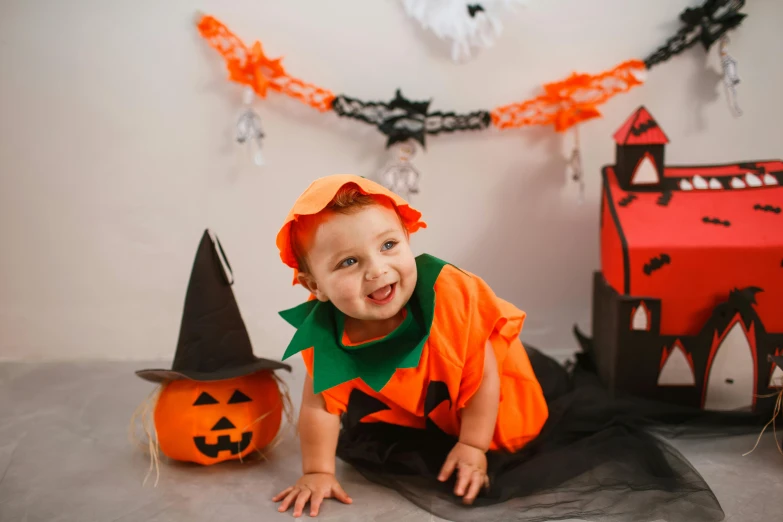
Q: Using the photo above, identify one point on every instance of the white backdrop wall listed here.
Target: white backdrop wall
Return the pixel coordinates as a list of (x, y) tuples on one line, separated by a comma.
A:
[(116, 151)]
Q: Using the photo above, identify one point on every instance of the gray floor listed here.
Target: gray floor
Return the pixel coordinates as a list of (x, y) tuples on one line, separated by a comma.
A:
[(65, 456)]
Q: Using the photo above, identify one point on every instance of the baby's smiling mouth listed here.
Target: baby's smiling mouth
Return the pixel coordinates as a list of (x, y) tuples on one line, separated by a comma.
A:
[(383, 295)]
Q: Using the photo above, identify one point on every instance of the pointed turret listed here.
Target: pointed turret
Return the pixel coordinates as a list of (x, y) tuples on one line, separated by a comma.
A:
[(639, 161)]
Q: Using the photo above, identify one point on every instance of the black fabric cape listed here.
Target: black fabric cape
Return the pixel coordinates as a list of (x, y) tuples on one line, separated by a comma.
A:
[(600, 456)]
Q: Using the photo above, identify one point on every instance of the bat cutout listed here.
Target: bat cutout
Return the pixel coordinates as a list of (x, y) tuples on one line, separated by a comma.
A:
[(665, 198), (656, 263), (627, 200), (767, 208), (644, 127), (474, 8), (752, 166), (716, 221)]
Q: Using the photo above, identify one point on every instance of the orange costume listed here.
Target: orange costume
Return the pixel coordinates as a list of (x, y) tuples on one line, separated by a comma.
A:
[(563, 447), (438, 350)]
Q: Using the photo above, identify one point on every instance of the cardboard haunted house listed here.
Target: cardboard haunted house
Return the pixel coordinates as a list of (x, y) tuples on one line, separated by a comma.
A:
[(688, 304)]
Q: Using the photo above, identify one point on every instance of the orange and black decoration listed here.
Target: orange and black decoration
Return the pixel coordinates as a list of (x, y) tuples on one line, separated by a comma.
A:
[(686, 306), (218, 401), (399, 400), (562, 104), (431, 356)]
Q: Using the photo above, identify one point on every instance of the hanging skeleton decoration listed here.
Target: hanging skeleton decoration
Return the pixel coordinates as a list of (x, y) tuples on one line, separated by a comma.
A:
[(249, 127), (466, 24), (730, 76), (574, 166), (399, 175)]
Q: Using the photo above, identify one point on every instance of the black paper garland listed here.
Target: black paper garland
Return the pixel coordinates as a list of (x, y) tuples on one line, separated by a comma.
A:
[(705, 24), (563, 104), (402, 119)]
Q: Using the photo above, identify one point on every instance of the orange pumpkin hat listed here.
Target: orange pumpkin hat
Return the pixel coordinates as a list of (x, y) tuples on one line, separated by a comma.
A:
[(321, 192)]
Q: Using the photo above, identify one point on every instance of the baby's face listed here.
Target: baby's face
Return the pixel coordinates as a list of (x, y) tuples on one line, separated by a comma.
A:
[(362, 263)]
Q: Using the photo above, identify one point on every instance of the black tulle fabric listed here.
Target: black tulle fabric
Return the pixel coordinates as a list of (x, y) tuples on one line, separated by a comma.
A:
[(599, 457)]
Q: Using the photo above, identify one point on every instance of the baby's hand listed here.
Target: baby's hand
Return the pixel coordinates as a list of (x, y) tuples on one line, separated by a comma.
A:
[(314, 487), (471, 464)]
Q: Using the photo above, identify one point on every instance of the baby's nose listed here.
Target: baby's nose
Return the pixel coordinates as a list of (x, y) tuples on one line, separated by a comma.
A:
[(375, 271)]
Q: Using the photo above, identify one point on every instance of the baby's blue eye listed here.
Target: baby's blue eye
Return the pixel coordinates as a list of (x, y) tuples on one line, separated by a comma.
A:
[(389, 245), (348, 262)]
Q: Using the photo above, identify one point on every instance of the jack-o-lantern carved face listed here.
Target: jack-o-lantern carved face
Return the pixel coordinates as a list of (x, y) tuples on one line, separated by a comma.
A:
[(214, 421)]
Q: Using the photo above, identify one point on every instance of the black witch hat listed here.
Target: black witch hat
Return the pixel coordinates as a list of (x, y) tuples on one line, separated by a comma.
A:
[(213, 341)]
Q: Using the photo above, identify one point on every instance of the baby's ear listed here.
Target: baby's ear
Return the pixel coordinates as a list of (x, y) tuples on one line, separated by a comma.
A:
[(308, 281)]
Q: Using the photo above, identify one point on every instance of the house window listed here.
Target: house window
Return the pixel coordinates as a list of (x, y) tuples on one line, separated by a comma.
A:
[(640, 318), (645, 173), (676, 367), (776, 374)]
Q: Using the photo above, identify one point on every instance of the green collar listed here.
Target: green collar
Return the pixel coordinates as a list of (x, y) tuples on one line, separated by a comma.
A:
[(320, 325)]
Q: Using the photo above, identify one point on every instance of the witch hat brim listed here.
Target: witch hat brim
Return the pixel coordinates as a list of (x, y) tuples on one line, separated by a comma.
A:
[(213, 342), (163, 375)]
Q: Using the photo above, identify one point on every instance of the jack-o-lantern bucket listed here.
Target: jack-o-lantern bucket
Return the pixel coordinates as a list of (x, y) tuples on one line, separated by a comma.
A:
[(213, 421), (218, 401)]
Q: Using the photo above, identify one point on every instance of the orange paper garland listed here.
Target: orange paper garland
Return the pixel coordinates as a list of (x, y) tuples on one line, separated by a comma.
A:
[(570, 101), (251, 67), (563, 104)]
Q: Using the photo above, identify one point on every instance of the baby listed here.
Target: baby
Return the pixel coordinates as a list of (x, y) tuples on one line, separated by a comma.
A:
[(384, 324)]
